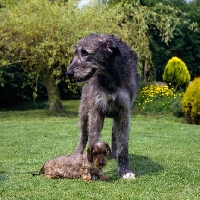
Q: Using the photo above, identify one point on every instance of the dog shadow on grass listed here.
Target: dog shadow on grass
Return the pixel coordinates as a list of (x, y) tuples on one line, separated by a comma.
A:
[(139, 164), (2, 175), (143, 165)]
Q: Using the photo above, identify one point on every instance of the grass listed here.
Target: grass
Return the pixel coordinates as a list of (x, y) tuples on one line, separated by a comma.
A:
[(164, 154)]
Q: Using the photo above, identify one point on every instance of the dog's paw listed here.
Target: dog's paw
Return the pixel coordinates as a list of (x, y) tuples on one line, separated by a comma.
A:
[(103, 177), (95, 177), (128, 175)]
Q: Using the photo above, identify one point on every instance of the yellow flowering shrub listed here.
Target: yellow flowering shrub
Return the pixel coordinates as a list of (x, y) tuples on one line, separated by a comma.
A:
[(191, 102), (176, 73)]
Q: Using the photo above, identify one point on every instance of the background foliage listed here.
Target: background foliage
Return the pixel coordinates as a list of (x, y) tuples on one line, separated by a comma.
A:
[(184, 44), (158, 98), (176, 74), (38, 36), (191, 102), (16, 85)]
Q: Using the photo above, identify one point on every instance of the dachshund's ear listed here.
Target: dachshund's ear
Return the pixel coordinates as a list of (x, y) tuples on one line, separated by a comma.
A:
[(109, 150), (89, 153)]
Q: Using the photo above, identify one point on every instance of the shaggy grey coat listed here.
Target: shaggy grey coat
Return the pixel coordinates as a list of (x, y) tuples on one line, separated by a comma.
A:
[(110, 68)]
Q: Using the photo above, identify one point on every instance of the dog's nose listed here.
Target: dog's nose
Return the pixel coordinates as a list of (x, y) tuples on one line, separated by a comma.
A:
[(70, 73), (101, 161)]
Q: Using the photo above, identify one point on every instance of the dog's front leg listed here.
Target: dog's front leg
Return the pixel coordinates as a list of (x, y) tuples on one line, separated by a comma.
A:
[(85, 174), (102, 176), (83, 123), (122, 135), (95, 125)]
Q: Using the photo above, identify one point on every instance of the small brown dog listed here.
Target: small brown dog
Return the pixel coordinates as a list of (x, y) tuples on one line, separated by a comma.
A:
[(87, 166)]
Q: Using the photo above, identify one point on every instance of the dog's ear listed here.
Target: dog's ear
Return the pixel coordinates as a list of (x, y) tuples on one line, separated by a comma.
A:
[(110, 46), (109, 150), (89, 153)]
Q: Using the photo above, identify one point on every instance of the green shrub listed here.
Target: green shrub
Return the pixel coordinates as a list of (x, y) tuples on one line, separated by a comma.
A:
[(17, 85), (176, 74), (191, 102), (176, 107)]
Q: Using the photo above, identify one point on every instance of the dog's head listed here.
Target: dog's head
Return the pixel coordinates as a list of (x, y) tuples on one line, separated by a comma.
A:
[(94, 53), (97, 153)]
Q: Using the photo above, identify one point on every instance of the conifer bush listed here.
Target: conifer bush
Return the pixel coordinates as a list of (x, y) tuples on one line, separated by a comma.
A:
[(176, 74), (191, 102)]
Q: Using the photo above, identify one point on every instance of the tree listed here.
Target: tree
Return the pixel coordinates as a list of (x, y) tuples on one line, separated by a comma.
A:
[(184, 44), (139, 21), (17, 85), (40, 35)]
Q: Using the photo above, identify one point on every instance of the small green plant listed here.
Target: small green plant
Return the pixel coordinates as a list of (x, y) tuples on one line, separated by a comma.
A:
[(176, 108), (191, 102), (158, 98), (176, 74)]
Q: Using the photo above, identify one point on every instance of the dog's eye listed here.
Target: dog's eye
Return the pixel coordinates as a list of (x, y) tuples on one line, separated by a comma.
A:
[(84, 52), (95, 154), (104, 153)]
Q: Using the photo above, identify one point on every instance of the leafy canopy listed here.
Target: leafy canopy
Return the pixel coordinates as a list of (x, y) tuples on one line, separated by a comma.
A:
[(40, 34)]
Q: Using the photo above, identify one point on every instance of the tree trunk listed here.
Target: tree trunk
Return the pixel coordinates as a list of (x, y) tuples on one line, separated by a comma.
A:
[(52, 91), (145, 71)]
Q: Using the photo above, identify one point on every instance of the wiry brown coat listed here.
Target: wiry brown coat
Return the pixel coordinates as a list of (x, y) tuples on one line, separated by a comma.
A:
[(87, 166)]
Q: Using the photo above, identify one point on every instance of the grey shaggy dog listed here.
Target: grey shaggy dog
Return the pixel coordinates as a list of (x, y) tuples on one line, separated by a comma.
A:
[(110, 68)]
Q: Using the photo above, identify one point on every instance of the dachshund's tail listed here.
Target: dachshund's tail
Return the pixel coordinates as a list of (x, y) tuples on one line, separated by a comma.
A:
[(35, 174), (41, 172)]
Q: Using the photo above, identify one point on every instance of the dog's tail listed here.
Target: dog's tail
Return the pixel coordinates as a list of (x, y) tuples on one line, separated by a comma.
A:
[(41, 172), (36, 174)]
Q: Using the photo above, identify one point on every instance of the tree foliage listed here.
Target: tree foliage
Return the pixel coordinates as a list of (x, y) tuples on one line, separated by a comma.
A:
[(141, 21), (185, 43), (40, 35), (17, 85)]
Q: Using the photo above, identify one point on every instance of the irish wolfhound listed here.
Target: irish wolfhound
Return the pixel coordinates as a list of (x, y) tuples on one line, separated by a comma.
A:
[(110, 68)]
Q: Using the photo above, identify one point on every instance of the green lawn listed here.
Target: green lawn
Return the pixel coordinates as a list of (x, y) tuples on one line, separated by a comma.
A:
[(164, 154)]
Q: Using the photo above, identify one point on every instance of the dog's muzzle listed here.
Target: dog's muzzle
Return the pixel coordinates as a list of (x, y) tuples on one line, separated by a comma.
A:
[(70, 73), (80, 74)]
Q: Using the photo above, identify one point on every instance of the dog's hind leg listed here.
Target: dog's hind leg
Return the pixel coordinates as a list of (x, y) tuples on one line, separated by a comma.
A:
[(114, 140), (122, 127)]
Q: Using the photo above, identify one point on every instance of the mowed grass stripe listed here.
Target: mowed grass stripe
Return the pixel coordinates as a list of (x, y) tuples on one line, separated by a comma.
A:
[(164, 154)]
